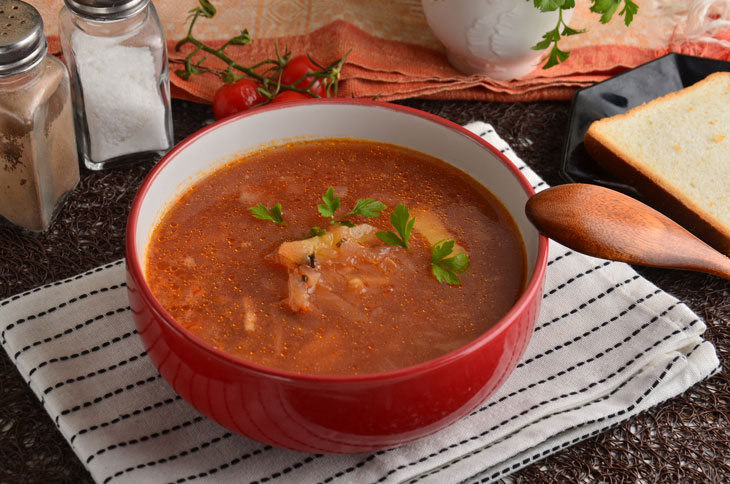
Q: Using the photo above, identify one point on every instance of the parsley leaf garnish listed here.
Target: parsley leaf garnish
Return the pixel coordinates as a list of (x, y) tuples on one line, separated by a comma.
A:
[(368, 207), (316, 232), (331, 204), (274, 213), (403, 224), (445, 268)]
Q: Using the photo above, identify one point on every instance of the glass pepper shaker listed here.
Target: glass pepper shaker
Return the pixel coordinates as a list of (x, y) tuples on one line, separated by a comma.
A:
[(116, 54), (38, 161)]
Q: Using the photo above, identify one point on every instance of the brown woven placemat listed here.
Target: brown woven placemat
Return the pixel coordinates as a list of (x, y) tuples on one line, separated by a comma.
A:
[(686, 439)]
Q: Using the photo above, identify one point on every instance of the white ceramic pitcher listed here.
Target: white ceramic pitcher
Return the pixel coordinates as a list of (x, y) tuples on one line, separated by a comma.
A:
[(493, 38)]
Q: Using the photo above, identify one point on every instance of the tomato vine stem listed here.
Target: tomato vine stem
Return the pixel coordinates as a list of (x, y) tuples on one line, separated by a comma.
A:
[(271, 85)]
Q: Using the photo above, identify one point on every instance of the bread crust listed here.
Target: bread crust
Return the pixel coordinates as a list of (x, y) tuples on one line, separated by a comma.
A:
[(660, 193)]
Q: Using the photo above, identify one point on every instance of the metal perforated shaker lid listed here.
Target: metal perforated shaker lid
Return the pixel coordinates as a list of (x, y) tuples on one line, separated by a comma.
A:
[(22, 42), (106, 9)]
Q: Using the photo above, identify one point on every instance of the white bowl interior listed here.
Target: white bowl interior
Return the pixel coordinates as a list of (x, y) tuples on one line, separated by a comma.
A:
[(376, 122)]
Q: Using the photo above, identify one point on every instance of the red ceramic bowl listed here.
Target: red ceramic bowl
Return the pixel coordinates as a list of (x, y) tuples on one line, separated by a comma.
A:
[(335, 414)]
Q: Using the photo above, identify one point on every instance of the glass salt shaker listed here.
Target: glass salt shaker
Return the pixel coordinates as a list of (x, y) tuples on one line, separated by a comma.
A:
[(38, 161), (116, 53)]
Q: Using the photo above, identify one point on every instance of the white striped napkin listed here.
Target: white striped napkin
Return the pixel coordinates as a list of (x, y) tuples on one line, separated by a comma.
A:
[(608, 344)]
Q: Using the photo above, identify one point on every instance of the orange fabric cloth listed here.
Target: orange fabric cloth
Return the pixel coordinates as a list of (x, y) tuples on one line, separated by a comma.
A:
[(391, 70), (383, 64)]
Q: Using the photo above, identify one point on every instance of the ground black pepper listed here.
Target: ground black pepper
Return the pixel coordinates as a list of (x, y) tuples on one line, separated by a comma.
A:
[(37, 138)]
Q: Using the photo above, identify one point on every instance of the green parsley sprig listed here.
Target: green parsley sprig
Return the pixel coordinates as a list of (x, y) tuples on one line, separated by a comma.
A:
[(330, 206), (274, 213), (401, 220), (606, 8), (445, 268), (366, 207)]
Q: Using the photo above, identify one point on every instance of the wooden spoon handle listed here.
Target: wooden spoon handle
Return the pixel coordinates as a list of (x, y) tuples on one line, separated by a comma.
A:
[(604, 223)]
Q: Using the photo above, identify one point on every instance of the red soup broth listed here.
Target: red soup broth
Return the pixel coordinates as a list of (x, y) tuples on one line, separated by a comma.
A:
[(345, 302)]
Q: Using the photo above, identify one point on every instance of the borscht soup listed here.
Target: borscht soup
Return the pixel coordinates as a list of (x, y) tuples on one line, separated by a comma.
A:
[(336, 257)]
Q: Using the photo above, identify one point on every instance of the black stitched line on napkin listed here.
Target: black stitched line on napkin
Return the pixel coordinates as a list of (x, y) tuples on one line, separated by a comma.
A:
[(84, 352), (45, 312), (575, 440), (518, 163), (516, 432), (571, 368), (575, 278), (521, 165), (68, 331), (370, 457), (125, 416), (286, 470), (621, 369), (605, 323), (341, 473), (621, 412), (174, 457), (92, 374), (589, 302), (560, 257), (60, 283), (238, 460), (549, 378), (524, 412), (622, 313), (144, 438), (108, 395)]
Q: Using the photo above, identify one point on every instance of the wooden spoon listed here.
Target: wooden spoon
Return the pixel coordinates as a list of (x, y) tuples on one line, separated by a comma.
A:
[(604, 223)]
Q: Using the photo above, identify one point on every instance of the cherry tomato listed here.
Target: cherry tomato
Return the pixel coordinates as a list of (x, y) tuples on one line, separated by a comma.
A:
[(234, 98), (297, 68), (284, 96)]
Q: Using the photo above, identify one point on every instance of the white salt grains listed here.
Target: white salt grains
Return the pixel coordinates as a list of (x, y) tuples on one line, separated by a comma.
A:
[(124, 108)]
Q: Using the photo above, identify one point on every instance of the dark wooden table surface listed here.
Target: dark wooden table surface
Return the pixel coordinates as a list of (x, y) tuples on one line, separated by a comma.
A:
[(686, 439)]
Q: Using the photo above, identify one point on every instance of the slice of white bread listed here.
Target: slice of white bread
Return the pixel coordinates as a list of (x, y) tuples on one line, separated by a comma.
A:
[(675, 150)]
